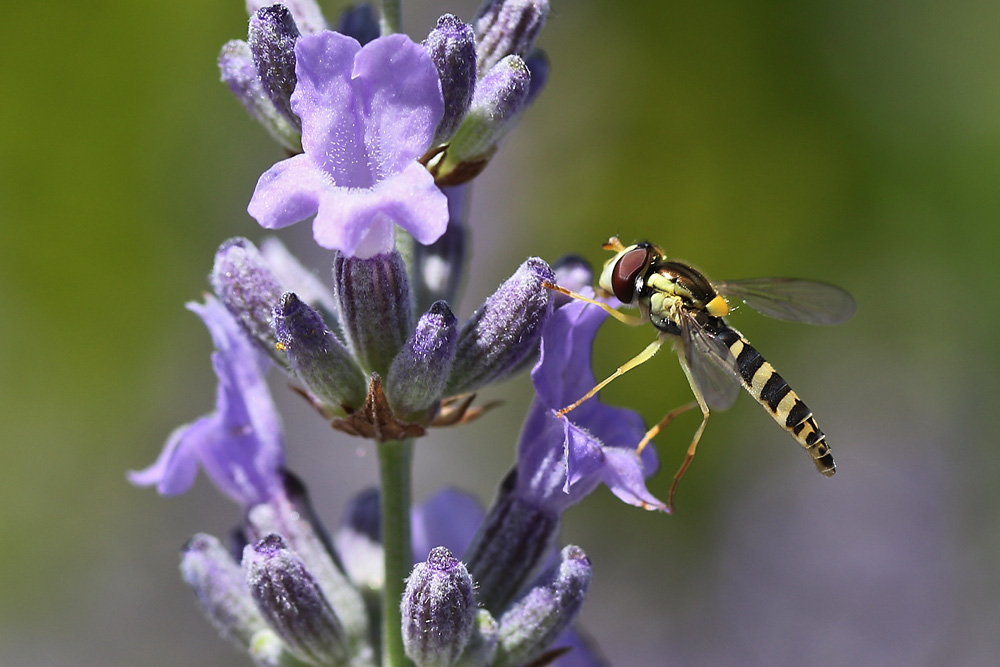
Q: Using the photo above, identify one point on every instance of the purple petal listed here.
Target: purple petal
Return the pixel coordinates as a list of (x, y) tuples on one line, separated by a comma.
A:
[(624, 474), (175, 469), (593, 443), (403, 100), (410, 199), (325, 100), (448, 519), (288, 192), (239, 445)]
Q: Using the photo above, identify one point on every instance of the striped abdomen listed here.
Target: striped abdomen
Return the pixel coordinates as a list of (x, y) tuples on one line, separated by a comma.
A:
[(770, 389)]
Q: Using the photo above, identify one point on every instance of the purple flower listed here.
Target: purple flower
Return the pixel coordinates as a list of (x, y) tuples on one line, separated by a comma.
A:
[(368, 114), (239, 445), (562, 459)]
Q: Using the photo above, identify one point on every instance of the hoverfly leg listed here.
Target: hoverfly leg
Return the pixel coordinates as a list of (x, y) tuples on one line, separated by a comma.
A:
[(697, 434), (639, 359), (653, 432), (630, 320)]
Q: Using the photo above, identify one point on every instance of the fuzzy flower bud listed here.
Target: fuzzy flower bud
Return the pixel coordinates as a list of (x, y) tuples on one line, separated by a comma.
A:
[(507, 27), (245, 285), (438, 609), (496, 105), (218, 582), (419, 372), (374, 298), (291, 599), (291, 518), (306, 13), (503, 334), (272, 38), (237, 70), (316, 355), (452, 46), (545, 611), (509, 547)]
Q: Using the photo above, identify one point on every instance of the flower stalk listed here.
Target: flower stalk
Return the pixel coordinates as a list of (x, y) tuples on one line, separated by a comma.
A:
[(395, 462), (392, 17)]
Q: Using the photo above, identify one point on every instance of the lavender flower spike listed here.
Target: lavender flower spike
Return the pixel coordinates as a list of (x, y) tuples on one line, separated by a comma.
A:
[(237, 70), (500, 97), (368, 114), (293, 603), (219, 584), (507, 27), (306, 13), (316, 355), (540, 616), (240, 444), (438, 610), (418, 374), (452, 46), (242, 279), (502, 336), (272, 38)]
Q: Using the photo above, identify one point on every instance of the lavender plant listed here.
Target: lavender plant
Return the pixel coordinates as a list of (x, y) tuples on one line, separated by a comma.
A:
[(384, 136)]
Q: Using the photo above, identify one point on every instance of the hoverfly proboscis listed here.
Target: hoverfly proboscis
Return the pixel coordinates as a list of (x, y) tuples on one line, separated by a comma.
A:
[(716, 359)]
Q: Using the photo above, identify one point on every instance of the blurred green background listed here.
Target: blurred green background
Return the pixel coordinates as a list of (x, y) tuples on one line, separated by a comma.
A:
[(852, 142)]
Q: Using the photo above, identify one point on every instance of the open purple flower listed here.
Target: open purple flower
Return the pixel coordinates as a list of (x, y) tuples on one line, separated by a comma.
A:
[(239, 445), (368, 114), (562, 459)]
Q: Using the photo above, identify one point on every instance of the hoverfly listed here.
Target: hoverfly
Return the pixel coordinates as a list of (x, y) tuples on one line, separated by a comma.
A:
[(716, 359)]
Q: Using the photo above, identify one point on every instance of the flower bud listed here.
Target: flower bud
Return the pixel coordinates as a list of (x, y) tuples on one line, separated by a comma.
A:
[(419, 372), (292, 275), (496, 105), (373, 294), (218, 582), (507, 27), (359, 21), (290, 518), (438, 610), (316, 355), (452, 47), (502, 336), (306, 13), (509, 547), (245, 285), (292, 601), (545, 611), (272, 38), (237, 70)]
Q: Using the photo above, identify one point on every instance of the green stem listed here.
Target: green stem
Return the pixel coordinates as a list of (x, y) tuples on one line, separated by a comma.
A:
[(392, 17), (395, 461)]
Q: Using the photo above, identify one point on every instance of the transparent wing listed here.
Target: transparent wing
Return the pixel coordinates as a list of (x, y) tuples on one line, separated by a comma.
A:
[(792, 299), (712, 366)]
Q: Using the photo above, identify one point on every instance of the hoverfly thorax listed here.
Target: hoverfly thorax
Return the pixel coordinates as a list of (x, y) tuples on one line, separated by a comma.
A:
[(687, 283)]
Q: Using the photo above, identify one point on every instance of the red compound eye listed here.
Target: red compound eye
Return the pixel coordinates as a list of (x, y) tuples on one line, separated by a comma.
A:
[(628, 268)]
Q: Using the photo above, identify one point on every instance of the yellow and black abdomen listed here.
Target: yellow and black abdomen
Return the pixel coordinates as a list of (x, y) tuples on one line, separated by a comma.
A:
[(770, 390)]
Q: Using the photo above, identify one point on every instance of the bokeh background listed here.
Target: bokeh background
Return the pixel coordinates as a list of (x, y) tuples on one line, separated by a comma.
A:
[(852, 142)]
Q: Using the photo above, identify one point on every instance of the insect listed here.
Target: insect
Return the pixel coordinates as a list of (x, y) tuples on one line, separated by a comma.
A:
[(716, 359)]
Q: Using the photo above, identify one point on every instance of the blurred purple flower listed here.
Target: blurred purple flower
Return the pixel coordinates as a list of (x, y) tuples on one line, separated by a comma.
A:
[(597, 441), (368, 114), (239, 445)]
